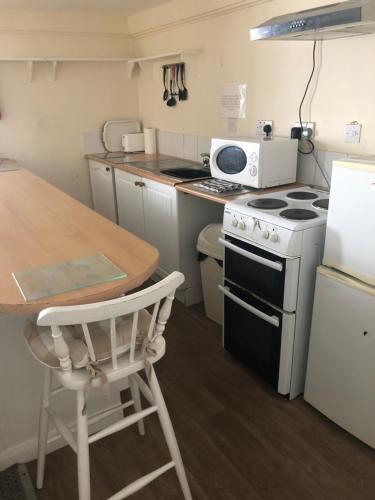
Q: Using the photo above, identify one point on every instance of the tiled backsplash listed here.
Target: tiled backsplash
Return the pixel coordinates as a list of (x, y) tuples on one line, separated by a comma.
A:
[(185, 146)]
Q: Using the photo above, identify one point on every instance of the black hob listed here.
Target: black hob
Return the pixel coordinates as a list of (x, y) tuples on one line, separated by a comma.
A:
[(302, 195), (324, 204), (298, 214), (267, 203)]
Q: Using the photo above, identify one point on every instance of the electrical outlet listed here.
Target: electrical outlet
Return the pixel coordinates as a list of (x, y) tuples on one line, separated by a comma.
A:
[(353, 132), (308, 129), (261, 124)]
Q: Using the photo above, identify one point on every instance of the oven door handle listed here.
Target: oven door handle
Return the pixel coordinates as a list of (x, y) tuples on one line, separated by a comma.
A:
[(252, 256), (273, 320)]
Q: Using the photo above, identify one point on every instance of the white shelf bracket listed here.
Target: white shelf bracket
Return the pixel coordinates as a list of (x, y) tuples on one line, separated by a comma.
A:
[(130, 65), (30, 65), (191, 60), (54, 70)]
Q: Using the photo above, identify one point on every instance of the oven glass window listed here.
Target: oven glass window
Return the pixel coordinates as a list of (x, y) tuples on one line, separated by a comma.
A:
[(231, 160), (259, 279), (251, 339)]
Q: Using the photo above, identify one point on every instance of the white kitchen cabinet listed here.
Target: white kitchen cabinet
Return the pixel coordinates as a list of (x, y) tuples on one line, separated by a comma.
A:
[(130, 202), (161, 226), (169, 220), (103, 190)]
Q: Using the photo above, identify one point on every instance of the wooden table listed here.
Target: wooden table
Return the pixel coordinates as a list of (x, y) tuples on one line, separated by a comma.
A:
[(40, 225)]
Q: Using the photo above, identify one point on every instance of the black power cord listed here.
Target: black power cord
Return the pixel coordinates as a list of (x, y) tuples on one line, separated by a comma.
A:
[(312, 149), (301, 104)]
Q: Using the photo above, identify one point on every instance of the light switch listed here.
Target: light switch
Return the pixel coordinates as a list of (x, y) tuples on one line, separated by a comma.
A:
[(353, 132)]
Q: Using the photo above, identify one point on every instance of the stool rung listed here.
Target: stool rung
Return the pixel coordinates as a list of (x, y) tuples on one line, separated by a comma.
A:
[(96, 417), (122, 424), (58, 390), (63, 429), (141, 482)]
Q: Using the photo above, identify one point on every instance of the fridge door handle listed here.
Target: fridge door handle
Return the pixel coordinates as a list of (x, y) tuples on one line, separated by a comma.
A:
[(273, 320), (252, 256)]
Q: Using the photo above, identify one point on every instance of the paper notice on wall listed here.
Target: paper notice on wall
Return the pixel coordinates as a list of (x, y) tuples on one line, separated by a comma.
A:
[(232, 101)]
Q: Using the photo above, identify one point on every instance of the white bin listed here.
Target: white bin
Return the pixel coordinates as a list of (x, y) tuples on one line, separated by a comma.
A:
[(211, 263)]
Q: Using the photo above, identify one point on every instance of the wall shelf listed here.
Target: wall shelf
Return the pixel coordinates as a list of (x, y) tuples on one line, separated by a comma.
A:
[(54, 62), (145, 63)]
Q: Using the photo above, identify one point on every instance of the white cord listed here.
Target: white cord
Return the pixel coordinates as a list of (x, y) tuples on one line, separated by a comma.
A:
[(324, 173)]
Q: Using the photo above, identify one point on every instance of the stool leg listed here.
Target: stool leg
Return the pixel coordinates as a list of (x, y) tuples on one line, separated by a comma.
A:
[(43, 426), (83, 462), (169, 434), (136, 397)]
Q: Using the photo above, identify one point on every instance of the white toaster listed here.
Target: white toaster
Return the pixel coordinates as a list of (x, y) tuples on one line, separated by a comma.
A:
[(131, 143)]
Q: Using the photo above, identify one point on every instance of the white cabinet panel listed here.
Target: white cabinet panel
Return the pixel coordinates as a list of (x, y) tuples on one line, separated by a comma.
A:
[(103, 190), (161, 227), (130, 202)]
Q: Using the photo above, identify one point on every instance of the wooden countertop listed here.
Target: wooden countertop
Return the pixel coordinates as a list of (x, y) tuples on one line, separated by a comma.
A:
[(154, 175), (41, 225), (189, 188), (183, 186)]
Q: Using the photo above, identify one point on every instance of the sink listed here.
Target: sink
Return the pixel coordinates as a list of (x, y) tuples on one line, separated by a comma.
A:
[(187, 173)]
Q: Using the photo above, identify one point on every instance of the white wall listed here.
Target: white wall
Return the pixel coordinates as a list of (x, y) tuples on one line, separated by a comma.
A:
[(275, 72), (42, 122)]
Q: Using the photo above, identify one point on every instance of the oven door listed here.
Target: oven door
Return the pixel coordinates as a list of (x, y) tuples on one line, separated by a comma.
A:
[(259, 335), (262, 273)]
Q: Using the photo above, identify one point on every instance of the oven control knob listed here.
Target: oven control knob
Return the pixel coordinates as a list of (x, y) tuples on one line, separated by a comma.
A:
[(265, 234), (274, 237), (234, 222), (241, 225)]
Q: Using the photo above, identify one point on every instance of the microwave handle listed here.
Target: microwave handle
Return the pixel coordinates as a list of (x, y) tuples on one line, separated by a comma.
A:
[(273, 320), (252, 256)]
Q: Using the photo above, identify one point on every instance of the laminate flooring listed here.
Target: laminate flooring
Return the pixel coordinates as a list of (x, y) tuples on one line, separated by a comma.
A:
[(239, 440)]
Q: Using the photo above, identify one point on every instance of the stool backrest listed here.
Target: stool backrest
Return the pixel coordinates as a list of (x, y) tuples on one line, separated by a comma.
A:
[(83, 315)]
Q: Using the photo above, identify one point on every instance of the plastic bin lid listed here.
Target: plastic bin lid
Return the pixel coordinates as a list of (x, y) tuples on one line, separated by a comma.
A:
[(208, 242)]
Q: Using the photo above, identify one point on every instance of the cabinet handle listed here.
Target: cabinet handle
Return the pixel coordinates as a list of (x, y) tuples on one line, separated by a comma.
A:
[(139, 184)]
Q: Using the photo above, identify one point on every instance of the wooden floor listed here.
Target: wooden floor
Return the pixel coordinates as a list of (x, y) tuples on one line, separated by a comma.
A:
[(238, 439)]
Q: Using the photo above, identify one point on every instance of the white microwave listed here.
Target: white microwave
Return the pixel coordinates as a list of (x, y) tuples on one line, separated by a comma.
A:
[(254, 161)]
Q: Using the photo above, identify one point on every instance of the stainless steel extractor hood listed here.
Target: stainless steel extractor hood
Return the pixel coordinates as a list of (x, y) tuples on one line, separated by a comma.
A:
[(338, 20)]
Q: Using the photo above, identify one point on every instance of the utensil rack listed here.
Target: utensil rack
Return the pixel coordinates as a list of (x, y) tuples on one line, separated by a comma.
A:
[(145, 63)]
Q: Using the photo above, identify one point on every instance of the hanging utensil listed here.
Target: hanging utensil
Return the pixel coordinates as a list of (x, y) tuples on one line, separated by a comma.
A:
[(179, 89), (184, 93), (165, 93), (171, 101)]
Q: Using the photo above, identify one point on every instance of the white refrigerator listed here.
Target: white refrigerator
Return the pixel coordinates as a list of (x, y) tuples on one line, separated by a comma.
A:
[(340, 380)]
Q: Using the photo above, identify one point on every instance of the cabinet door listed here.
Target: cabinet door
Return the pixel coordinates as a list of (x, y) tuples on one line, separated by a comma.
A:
[(103, 190), (161, 226), (129, 194)]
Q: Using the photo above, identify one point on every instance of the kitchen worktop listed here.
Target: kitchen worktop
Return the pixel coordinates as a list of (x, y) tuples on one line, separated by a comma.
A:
[(183, 186), (153, 173)]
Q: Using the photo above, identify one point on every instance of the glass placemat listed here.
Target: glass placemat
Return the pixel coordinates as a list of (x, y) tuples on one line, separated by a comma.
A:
[(62, 277)]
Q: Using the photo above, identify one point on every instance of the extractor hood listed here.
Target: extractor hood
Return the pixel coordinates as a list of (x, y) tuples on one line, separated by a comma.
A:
[(338, 20)]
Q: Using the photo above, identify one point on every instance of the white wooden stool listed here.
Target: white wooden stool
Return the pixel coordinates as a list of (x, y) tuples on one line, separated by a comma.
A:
[(86, 354)]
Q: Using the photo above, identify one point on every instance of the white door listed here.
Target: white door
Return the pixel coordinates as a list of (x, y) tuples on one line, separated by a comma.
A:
[(103, 190), (129, 193), (161, 226), (341, 368), (350, 239)]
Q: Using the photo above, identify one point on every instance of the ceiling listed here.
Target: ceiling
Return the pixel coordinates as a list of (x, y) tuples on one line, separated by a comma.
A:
[(124, 6)]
